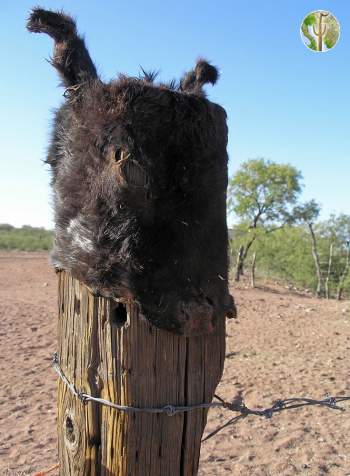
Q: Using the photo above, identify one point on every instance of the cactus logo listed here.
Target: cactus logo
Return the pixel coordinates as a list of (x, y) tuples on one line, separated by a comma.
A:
[(320, 31)]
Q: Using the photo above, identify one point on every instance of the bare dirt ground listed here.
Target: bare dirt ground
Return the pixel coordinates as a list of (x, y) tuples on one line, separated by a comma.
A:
[(282, 344)]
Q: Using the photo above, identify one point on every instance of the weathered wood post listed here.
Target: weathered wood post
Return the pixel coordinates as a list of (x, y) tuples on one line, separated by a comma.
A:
[(139, 174), (108, 351)]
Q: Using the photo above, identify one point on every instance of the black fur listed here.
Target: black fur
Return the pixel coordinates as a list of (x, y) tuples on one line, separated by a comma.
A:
[(139, 180), (70, 57), (203, 73)]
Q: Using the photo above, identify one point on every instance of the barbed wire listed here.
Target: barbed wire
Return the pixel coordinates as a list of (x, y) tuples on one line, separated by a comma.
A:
[(236, 405)]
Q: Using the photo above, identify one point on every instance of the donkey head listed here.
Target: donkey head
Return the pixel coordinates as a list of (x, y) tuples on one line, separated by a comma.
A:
[(139, 174)]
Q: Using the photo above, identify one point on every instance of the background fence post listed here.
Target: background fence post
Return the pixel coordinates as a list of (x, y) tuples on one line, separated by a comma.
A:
[(252, 274), (108, 350)]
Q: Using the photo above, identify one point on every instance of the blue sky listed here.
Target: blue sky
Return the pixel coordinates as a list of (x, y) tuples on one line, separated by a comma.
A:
[(284, 102)]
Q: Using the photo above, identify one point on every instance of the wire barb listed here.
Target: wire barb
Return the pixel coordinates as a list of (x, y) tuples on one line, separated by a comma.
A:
[(237, 405)]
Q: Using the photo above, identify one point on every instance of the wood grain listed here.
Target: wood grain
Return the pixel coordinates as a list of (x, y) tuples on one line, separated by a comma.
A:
[(130, 363)]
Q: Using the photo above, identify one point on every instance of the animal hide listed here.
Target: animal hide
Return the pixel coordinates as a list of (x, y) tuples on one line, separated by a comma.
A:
[(139, 176)]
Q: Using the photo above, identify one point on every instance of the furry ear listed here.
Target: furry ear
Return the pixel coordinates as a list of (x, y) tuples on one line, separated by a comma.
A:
[(194, 80), (70, 56)]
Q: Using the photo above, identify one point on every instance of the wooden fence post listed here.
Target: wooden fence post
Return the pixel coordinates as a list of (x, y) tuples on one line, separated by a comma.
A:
[(107, 350), (136, 165)]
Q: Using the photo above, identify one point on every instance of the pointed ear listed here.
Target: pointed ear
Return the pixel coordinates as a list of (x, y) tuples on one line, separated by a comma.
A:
[(194, 80), (70, 56)]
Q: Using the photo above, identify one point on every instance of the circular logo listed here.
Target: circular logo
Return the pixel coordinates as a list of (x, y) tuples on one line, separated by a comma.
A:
[(320, 31)]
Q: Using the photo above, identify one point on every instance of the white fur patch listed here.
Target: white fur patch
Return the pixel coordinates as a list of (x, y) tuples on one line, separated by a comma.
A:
[(81, 236)]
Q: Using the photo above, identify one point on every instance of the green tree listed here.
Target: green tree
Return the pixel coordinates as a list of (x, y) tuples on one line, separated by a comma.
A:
[(25, 238), (336, 230), (286, 254), (308, 213), (262, 194)]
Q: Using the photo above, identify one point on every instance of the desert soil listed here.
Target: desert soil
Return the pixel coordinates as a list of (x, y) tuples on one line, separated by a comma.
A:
[(283, 344)]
